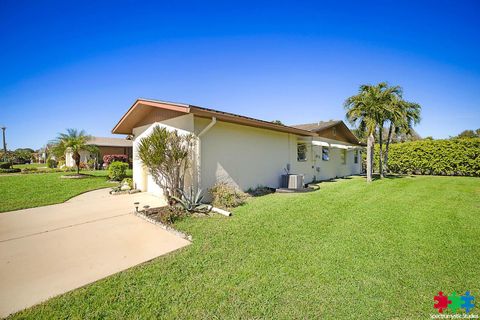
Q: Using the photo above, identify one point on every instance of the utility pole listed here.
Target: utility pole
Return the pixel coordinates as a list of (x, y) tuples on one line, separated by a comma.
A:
[(4, 145)]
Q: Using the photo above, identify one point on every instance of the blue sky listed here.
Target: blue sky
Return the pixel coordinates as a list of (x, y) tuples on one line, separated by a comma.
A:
[(79, 64)]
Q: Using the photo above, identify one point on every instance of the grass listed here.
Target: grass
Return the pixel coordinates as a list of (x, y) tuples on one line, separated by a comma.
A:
[(39, 189), (349, 250), (30, 165)]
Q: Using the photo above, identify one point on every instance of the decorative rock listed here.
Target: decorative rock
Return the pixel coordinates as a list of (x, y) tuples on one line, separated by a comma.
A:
[(125, 187), (165, 227)]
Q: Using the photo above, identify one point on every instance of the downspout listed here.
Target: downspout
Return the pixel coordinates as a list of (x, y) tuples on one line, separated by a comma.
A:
[(205, 130)]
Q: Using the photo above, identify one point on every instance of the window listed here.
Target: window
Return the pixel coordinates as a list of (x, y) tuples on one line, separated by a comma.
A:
[(344, 156), (325, 153), (355, 156), (301, 152), (334, 131)]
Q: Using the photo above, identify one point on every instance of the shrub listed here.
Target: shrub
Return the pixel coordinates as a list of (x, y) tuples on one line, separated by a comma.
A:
[(260, 191), (192, 201), (128, 181), (226, 196), (51, 163), (168, 156), (109, 158), (171, 214), (9, 170), (117, 170), (453, 157), (91, 164), (29, 170), (5, 165)]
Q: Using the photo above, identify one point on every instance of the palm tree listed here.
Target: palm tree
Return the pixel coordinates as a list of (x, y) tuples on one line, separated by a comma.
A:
[(403, 115), (368, 111), (74, 141)]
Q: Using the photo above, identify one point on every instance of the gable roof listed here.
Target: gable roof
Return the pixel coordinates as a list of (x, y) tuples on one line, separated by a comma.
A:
[(142, 106), (321, 129), (317, 126), (109, 142)]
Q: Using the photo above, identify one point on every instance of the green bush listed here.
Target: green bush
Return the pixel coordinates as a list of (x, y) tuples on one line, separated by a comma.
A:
[(128, 181), (29, 169), (453, 157), (260, 191), (117, 170), (5, 165), (9, 170), (226, 196), (91, 164), (51, 163), (171, 214)]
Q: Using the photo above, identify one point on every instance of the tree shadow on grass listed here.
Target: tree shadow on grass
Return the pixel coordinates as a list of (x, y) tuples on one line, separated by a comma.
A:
[(392, 176)]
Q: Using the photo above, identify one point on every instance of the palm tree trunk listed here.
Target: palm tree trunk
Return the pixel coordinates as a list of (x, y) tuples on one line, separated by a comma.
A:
[(380, 151), (370, 141), (387, 145), (76, 158)]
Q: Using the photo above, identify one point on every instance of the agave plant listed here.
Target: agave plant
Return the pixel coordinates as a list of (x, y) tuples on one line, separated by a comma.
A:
[(193, 201)]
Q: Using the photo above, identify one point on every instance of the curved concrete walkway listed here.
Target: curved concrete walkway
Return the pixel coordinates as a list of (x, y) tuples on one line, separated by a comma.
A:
[(50, 250)]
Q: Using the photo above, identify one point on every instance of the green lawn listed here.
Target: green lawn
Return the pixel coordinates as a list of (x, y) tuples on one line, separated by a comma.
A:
[(349, 250), (30, 165), (32, 190)]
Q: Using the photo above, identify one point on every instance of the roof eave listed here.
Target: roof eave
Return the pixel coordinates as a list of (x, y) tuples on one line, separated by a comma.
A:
[(204, 112), (154, 103)]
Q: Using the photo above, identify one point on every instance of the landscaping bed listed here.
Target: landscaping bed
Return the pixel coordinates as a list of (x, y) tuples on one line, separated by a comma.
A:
[(164, 217)]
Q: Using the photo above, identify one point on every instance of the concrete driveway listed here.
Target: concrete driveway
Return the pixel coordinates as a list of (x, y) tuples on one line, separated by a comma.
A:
[(50, 250)]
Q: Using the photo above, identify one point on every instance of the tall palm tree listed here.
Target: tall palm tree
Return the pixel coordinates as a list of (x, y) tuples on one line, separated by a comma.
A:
[(74, 141), (368, 111), (403, 115)]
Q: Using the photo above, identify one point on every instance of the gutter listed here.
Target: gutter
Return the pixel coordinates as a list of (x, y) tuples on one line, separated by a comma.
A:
[(210, 125), (198, 147)]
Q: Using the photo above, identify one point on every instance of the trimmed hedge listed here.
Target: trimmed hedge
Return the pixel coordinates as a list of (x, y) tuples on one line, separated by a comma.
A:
[(454, 157), (5, 165), (10, 170)]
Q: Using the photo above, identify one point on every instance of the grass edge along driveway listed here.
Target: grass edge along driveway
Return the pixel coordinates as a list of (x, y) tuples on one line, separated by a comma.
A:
[(350, 250), (33, 190)]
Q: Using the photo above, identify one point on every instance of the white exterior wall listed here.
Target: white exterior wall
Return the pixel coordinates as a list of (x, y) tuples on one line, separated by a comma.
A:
[(334, 167), (141, 179), (246, 157), (242, 156), (69, 162)]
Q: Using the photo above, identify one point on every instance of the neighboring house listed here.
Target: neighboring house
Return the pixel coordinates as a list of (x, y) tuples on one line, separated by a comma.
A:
[(43, 153), (105, 146), (243, 151)]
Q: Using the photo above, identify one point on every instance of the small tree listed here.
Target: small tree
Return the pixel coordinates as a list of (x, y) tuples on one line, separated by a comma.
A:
[(167, 156), (75, 141)]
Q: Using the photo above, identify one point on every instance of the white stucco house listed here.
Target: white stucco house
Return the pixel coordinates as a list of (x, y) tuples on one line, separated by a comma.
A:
[(243, 151)]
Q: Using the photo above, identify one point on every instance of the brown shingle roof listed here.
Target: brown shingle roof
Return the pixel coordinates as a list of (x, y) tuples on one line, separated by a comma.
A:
[(317, 126), (109, 142), (143, 106)]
